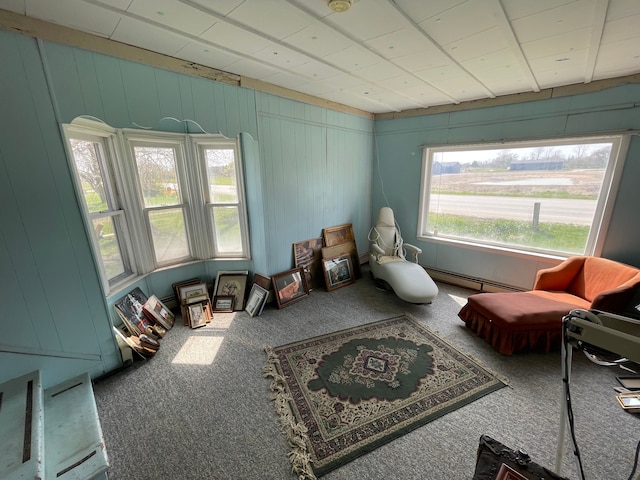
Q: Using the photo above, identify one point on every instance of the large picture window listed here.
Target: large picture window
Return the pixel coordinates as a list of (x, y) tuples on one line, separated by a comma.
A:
[(159, 198), (539, 196)]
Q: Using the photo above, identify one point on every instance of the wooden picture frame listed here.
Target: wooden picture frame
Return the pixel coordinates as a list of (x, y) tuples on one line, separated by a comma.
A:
[(197, 317), (264, 282), (338, 272), (338, 234), (290, 286), (307, 254), (183, 283), (223, 303), (192, 293), (158, 312), (233, 283), (256, 300), (342, 249)]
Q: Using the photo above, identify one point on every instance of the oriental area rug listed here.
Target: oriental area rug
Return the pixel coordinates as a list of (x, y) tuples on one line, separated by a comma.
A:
[(344, 394)]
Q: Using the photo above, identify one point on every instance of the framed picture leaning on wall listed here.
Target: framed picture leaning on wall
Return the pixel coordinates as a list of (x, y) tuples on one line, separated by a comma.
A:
[(257, 299), (232, 283), (290, 286), (338, 272)]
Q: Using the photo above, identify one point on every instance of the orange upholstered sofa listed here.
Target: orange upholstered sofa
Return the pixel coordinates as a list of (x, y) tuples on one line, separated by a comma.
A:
[(532, 320)]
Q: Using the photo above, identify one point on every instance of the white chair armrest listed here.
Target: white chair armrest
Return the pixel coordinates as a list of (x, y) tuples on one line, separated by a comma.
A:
[(414, 250), (376, 249)]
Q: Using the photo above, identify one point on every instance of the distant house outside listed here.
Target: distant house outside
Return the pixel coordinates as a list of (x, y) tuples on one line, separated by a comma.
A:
[(442, 168), (536, 164)]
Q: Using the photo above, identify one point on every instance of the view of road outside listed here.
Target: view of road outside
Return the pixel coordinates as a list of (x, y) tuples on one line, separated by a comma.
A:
[(541, 198)]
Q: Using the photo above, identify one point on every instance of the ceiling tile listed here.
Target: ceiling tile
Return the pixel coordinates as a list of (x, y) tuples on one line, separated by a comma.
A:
[(317, 70), (421, 11), (75, 14), (319, 40), (461, 21), (275, 18), (558, 45), (403, 42), (553, 22), (280, 56), (352, 58), (378, 72), (478, 44), (516, 9), (134, 32), (235, 39), (626, 28), (251, 68), (618, 58), (207, 55), (174, 15), (368, 19), (221, 7)]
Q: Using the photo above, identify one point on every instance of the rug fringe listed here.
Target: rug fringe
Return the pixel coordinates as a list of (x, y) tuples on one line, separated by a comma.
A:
[(295, 432)]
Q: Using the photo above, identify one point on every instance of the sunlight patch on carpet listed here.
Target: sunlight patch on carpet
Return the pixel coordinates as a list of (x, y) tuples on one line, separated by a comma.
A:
[(341, 395), (198, 350), (462, 301)]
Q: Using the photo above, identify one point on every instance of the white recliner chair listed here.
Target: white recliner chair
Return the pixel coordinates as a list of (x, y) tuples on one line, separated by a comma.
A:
[(388, 264)]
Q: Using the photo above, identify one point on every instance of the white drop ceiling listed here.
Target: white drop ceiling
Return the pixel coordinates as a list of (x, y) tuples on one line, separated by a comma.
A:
[(381, 55)]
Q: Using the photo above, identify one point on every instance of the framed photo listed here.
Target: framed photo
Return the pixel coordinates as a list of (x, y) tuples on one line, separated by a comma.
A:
[(337, 235), (223, 303), (130, 309), (257, 299), (307, 254), (177, 285), (193, 293), (338, 272), (264, 282), (197, 317), (232, 283), (158, 312), (290, 286), (342, 249)]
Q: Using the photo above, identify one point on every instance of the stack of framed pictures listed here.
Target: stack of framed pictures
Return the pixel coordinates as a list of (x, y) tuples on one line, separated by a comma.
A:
[(195, 304), (338, 241)]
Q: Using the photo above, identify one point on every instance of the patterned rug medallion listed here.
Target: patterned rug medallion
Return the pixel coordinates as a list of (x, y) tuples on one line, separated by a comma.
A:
[(344, 394)]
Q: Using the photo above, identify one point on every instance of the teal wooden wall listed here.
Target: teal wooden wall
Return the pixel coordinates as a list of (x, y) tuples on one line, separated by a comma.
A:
[(399, 166), (305, 168)]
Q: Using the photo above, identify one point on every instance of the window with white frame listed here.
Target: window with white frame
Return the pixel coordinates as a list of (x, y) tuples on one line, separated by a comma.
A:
[(182, 196), (223, 196), (549, 196), (93, 154)]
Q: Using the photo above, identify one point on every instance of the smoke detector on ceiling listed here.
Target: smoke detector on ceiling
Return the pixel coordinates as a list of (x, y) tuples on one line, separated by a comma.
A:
[(339, 5)]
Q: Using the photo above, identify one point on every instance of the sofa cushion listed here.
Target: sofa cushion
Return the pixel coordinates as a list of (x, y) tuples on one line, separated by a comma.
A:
[(598, 275), (522, 310)]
